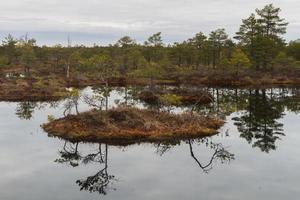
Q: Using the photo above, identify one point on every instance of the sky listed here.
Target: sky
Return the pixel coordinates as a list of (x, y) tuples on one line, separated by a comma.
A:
[(102, 22)]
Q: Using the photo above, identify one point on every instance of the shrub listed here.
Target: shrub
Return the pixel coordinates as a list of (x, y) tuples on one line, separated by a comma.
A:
[(170, 99), (51, 118)]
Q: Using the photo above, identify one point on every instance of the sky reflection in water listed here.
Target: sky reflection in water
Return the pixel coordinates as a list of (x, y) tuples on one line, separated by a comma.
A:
[(255, 156)]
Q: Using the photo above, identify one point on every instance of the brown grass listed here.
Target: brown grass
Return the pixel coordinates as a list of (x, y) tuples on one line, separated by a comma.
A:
[(131, 124), (31, 90)]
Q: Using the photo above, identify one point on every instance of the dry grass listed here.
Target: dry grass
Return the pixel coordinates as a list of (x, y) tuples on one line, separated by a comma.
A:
[(31, 90), (131, 124)]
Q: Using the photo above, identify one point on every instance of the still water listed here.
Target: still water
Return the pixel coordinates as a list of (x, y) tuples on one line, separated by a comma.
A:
[(255, 156)]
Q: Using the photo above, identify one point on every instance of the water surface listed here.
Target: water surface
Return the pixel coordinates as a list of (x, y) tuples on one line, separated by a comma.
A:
[(255, 156)]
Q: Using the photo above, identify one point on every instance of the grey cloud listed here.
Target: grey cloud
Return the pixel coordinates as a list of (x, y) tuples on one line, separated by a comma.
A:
[(177, 19)]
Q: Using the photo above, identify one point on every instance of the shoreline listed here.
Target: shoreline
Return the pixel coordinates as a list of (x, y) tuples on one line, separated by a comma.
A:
[(54, 89)]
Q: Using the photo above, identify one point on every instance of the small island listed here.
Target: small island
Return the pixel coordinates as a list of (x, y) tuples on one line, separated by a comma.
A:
[(127, 125)]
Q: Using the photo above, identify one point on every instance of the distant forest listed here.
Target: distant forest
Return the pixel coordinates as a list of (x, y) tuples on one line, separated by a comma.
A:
[(258, 46)]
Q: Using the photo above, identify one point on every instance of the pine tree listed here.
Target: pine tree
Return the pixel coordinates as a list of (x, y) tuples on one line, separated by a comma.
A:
[(217, 39), (261, 36), (273, 26)]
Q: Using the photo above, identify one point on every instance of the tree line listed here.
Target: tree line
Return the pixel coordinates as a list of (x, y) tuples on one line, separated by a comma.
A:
[(257, 46)]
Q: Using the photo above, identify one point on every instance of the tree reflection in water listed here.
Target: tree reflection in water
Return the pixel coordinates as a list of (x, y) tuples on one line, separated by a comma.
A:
[(25, 110), (259, 122), (258, 112), (99, 182), (219, 154), (69, 154)]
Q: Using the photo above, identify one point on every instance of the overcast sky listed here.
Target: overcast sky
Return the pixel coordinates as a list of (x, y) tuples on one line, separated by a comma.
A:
[(104, 21)]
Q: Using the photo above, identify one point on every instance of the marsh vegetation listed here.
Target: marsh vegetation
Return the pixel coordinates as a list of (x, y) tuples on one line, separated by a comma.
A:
[(153, 114), (257, 55)]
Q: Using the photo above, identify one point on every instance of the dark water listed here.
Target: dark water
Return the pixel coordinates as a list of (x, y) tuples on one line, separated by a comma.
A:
[(256, 155)]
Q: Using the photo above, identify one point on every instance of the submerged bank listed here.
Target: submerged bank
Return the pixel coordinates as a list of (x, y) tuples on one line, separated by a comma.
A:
[(127, 125), (47, 88), (52, 88)]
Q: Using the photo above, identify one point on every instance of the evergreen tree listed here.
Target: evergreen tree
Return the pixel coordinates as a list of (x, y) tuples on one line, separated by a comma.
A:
[(217, 40), (272, 25), (10, 48), (154, 46), (261, 36), (28, 56)]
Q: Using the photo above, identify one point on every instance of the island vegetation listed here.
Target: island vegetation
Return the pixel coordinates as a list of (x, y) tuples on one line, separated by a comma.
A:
[(127, 125)]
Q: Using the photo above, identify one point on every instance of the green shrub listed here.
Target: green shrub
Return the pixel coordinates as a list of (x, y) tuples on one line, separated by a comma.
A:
[(170, 99), (51, 118)]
